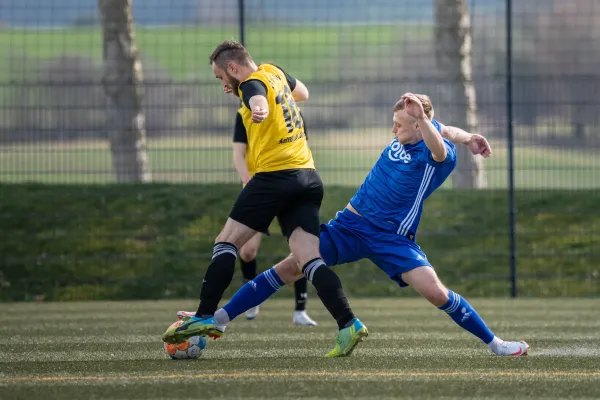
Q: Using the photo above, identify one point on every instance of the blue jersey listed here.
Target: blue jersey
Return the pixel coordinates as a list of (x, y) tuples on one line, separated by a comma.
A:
[(392, 195)]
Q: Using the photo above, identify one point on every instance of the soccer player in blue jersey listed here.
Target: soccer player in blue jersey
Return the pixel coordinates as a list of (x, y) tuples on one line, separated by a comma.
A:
[(380, 222)]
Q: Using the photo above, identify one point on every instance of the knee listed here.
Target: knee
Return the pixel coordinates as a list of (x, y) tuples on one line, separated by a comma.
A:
[(304, 246), (437, 295), (229, 237), (248, 253), (224, 237), (288, 270)]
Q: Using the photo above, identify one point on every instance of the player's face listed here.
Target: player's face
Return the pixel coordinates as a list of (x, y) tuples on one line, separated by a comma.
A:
[(230, 84), (404, 128)]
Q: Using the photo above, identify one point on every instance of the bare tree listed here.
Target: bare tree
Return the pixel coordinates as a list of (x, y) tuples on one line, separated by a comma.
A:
[(453, 55), (122, 81)]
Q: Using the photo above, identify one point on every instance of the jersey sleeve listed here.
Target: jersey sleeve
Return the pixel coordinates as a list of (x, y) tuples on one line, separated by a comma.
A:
[(437, 125), (450, 156), (450, 150), (252, 88), (290, 79), (239, 130)]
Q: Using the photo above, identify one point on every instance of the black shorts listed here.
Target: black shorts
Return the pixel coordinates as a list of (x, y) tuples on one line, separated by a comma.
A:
[(294, 196)]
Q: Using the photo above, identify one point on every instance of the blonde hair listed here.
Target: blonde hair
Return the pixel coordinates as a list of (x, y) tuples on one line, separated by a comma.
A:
[(425, 100)]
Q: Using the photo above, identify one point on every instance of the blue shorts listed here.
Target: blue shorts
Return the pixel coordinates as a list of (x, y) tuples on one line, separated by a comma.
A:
[(349, 237)]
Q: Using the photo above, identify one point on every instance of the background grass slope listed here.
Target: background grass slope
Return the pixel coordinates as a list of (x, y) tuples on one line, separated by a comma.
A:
[(154, 241)]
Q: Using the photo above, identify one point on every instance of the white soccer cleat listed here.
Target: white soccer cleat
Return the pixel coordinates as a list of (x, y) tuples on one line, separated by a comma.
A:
[(512, 349), (252, 313), (301, 318), (183, 314)]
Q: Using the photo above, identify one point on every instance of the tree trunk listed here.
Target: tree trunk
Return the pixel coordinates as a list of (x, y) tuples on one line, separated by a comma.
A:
[(453, 56), (122, 82)]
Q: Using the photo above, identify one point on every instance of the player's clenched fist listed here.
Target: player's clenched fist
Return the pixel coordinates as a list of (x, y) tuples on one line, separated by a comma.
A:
[(259, 115), (479, 145), (413, 106)]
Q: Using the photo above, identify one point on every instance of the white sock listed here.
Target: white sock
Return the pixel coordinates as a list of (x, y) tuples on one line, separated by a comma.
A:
[(221, 318), (496, 341), (297, 313)]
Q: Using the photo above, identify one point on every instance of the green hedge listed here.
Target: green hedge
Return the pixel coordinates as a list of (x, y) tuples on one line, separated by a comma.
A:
[(155, 241)]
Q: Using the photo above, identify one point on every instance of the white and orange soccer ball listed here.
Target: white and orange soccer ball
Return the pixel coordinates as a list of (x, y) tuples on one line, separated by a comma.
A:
[(188, 350)]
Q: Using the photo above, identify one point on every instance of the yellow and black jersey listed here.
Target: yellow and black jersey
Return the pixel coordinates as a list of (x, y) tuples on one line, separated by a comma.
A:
[(279, 142), (241, 136)]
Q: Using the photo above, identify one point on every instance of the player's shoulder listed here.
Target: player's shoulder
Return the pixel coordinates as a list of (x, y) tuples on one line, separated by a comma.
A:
[(267, 75), (269, 67), (439, 126), (272, 70)]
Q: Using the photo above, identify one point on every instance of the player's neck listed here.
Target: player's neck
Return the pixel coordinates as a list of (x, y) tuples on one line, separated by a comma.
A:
[(245, 72), (414, 140)]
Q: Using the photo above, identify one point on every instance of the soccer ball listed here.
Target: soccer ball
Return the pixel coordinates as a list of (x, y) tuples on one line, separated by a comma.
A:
[(188, 350)]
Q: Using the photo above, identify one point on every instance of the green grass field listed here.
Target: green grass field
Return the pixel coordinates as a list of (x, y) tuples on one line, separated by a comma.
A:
[(341, 158), (112, 350)]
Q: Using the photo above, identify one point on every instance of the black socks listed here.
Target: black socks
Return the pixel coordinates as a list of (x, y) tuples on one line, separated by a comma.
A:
[(218, 277), (329, 289)]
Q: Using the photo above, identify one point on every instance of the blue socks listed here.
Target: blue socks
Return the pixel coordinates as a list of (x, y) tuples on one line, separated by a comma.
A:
[(466, 317), (253, 293)]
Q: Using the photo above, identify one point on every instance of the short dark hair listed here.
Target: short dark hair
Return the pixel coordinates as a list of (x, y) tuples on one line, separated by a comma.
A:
[(230, 50)]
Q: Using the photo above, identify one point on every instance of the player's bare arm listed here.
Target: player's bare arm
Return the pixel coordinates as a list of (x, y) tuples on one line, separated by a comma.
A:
[(300, 92), (260, 108), (475, 142), (239, 161), (431, 137)]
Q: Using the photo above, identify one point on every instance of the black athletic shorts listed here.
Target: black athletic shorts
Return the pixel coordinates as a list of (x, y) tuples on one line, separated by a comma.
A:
[(294, 196)]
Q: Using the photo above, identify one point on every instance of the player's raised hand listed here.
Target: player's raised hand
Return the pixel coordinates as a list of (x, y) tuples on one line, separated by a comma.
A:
[(413, 106), (227, 89), (259, 114), (479, 145)]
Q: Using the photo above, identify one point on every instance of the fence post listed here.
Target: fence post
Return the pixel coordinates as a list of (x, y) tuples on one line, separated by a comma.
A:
[(241, 22), (511, 168)]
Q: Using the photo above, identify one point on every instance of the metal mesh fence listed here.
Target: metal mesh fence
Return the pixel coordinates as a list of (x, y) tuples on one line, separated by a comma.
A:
[(357, 57)]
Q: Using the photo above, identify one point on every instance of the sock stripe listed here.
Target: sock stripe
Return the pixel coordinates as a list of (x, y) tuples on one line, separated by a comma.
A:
[(224, 248), (219, 246), (310, 269), (461, 312), (452, 304), (455, 304), (232, 252), (272, 281)]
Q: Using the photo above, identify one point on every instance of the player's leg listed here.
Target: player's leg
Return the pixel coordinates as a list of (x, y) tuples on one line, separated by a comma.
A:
[(258, 290), (337, 245), (286, 272), (305, 247), (426, 282), (300, 224), (301, 317), (253, 211), (248, 254)]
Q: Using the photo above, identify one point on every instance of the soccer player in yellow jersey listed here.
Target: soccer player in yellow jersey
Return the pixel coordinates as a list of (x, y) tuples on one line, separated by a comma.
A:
[(285, 185), (249, 251)]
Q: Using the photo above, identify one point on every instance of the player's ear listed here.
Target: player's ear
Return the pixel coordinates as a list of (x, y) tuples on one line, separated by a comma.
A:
[(231, 67)]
